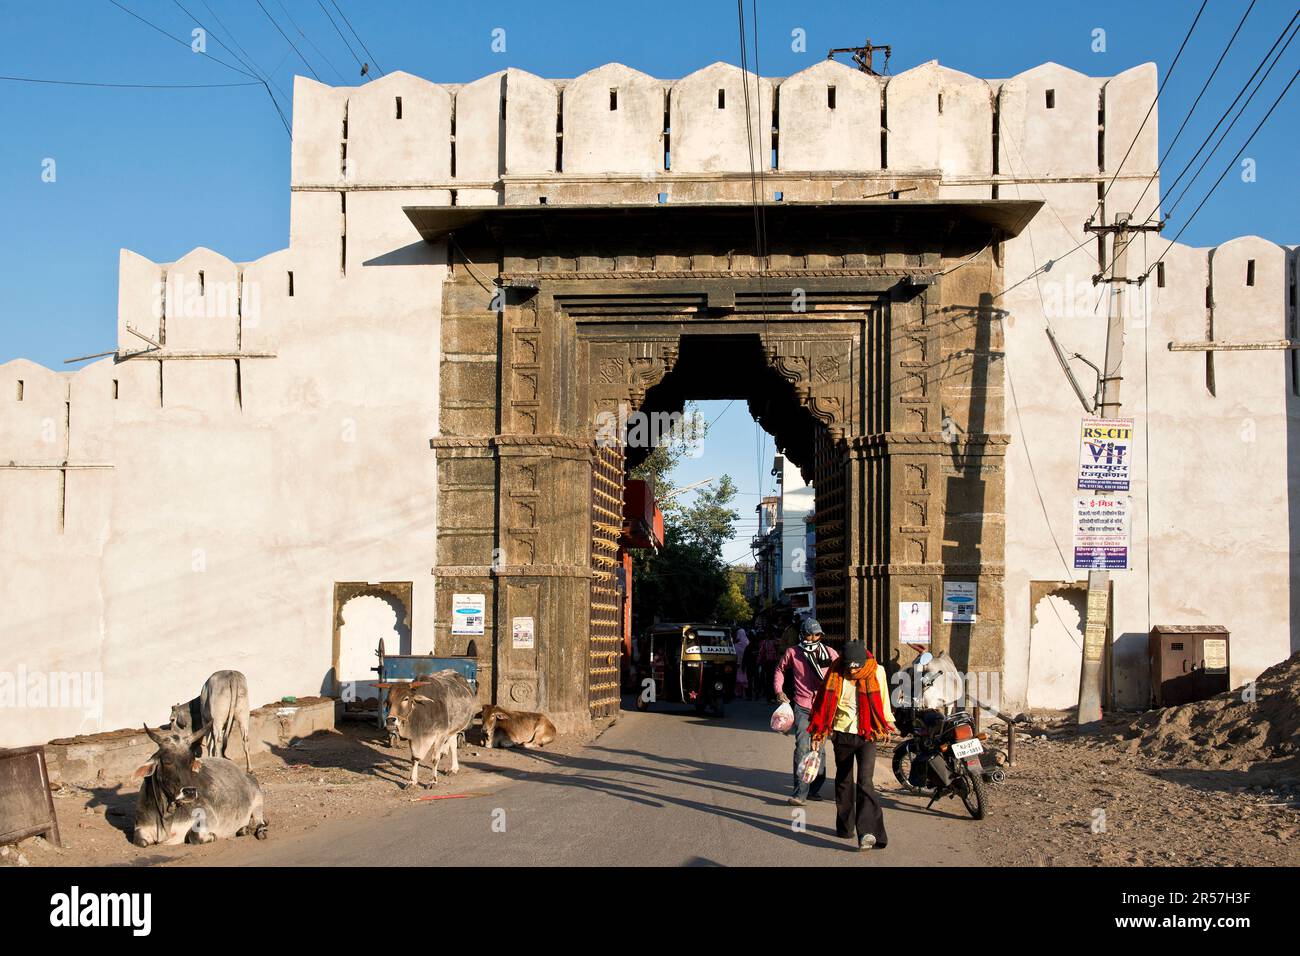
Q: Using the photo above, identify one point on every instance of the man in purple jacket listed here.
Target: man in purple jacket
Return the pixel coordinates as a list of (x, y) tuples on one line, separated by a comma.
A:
[(807, 663)]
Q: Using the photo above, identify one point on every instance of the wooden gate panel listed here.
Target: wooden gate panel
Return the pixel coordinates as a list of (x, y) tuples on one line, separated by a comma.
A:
[(606, 604)]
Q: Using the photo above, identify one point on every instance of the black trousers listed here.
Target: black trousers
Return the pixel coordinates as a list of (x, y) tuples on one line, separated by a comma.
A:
[(857, 808)]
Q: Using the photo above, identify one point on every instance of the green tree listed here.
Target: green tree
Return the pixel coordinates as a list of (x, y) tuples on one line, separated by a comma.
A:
[(733, 607)]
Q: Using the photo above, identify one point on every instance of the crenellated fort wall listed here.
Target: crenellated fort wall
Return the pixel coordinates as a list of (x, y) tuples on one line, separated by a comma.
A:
[(263, 431)]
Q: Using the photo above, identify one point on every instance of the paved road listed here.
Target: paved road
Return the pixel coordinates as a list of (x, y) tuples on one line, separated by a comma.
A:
[(657, 789)]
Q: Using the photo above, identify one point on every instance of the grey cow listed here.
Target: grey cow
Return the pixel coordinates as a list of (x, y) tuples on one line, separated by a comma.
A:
[(221, 705), (191, 799), (431, 719)]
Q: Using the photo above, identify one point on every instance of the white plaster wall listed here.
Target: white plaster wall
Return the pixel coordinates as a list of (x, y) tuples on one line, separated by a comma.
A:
[(709, 139), (627, 139), (940, 119), (816, 137)]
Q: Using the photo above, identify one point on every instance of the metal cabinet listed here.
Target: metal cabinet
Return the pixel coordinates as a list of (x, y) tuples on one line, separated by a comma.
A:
[(1188, 662)]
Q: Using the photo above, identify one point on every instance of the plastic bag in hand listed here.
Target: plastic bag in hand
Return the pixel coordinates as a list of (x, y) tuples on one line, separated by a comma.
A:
[(783, 718)]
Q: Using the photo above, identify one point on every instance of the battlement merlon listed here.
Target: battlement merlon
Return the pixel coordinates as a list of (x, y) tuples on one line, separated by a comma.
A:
[(512, 137)]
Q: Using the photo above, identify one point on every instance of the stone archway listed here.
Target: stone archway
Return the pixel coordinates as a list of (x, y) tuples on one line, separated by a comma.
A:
[(874, 338)]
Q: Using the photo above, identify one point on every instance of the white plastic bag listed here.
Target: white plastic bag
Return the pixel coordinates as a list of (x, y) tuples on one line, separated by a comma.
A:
[(783, 718), (810, 766)]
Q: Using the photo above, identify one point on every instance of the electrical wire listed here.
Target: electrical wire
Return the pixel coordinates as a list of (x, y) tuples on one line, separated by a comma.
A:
[(330, 18), (293, 45), (1160, 89), (260, 75), (131, 86), (1226, 169), (1195, 103), (373, 61), (303, 34), (176, 39)]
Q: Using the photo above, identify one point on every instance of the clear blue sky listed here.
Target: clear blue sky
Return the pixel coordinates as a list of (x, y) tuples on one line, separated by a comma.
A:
[(162, 171)]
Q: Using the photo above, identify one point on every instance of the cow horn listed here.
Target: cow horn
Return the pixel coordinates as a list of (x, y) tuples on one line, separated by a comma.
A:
[(152, 736), (201, 732)]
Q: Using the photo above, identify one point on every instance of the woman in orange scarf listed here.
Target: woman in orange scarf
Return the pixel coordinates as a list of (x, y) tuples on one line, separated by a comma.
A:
[(850, 710)]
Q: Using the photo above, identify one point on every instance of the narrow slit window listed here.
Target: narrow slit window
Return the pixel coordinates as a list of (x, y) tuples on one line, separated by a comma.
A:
[(201, 285), (830, 97), (1250, 272), (114, 389), (398, 105), (291, 283), (20, 390), (1051, 99), (1160, 275), (940, 104), (722, 99), (1209, 298), (613, 98)]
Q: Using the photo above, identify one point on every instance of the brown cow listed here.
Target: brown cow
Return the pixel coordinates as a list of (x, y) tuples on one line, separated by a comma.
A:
[(516, 728)]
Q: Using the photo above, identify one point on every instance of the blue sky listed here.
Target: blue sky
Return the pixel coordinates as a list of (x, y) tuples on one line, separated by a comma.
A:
[(162, 171)]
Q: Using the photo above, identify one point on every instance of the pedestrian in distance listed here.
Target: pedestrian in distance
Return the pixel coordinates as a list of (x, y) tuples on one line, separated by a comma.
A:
[(742, 678), (852, 709), (806, 664), (769, 653)]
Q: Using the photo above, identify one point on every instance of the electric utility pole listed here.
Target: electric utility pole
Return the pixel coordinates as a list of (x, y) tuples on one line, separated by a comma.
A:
[(1092, 673)]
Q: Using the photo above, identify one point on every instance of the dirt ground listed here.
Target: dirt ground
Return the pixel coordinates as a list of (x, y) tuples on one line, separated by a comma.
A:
[(1070, 799), (1100, 800), (326, 776)]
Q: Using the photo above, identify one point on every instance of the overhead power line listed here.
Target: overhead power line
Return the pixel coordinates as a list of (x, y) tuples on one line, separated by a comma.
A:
[(1195, 103), (245, 60), (280, 30), (330, 18), (311, 43), (130, 86), (373, 61), (176, 39), (1232, 163), (1160, 89)]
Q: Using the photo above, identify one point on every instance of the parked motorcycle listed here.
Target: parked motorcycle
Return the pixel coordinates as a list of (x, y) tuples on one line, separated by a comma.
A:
[(941, 756)]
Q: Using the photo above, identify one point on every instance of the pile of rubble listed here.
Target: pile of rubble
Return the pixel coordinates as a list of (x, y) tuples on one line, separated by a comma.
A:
[(1255, 728)]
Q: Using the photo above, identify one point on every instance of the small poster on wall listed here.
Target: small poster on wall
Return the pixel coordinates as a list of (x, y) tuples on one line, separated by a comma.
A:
[(468, 614), (959, 602), (914, 622), (521, 633)]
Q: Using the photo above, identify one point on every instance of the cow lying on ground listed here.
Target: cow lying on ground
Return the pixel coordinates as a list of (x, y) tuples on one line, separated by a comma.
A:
[(516, 728), (431, 718), (191, 799), (222, 704)]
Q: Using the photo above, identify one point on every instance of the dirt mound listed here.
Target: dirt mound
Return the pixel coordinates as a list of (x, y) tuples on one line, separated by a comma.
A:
[(1254, 728)]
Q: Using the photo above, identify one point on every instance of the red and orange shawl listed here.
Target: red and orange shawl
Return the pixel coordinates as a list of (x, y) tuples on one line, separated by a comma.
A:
[(871, 712)]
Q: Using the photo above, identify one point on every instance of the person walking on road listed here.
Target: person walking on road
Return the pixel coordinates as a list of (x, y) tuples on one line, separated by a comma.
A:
[(851, 709), (769, 652), (742, 678), (807, 664)]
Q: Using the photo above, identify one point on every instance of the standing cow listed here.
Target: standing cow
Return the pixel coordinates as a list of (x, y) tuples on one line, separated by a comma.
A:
[(191, 799), (431, 719), (221, 705)]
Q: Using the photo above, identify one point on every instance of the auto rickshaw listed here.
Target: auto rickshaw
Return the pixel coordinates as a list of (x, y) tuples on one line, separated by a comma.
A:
[(689, 663)]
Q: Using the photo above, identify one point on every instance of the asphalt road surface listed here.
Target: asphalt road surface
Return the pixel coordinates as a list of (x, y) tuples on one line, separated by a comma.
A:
[(665, 788)]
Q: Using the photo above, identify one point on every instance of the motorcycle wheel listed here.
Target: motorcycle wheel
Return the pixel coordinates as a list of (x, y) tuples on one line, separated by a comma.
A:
[(973, 794), (904, 754)]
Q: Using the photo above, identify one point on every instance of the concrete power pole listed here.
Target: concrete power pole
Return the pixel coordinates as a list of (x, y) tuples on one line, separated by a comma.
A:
[(1092, 674)]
